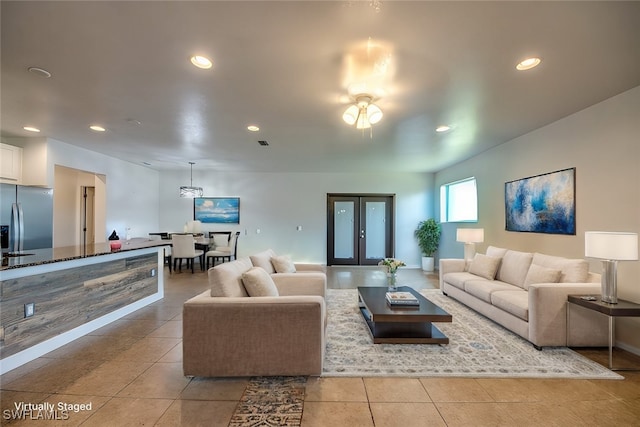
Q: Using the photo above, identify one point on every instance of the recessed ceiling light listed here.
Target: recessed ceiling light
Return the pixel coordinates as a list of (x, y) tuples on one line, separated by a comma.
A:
[(31, 129), (443, 128), (528, 64), (253, 128), (39, 71), (97, 128), (201, 62)]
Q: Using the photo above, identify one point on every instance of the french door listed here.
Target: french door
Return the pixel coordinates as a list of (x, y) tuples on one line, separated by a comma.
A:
[(359, 228)]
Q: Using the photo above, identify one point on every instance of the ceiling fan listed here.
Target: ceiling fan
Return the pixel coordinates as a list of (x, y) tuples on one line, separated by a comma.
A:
[(367, 70)]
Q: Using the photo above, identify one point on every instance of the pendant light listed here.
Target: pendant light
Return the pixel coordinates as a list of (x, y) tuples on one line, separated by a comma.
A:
[(190, 191)]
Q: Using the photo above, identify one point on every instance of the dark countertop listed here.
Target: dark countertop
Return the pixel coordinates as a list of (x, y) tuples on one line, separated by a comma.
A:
[(67, 253)]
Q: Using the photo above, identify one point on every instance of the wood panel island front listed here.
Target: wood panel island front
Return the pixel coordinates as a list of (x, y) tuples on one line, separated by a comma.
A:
[(50, 297)]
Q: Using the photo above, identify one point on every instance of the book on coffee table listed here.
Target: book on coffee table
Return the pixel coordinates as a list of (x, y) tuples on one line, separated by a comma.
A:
[(401, 298)]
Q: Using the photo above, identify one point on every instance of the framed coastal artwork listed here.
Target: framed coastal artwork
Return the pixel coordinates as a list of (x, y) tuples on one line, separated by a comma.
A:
[(543, 203), (217, 210)]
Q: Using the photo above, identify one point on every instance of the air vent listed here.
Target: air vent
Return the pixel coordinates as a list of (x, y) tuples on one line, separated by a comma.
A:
[(263, 143)]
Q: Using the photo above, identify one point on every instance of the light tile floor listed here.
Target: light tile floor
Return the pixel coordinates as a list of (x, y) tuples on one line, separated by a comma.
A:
[(131, 373)]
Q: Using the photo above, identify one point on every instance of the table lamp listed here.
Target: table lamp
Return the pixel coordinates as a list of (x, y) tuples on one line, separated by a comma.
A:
[(470, 236), (610, 247)]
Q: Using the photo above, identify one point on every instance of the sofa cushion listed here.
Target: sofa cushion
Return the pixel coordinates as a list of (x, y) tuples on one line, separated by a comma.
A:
[(495, 251), (484, 266), (513, 302), (263, 260), (482, 289), (457, 279), (226, 279), (514, 267), (539, 274), (573, 270), (283, 264), (259, 283)]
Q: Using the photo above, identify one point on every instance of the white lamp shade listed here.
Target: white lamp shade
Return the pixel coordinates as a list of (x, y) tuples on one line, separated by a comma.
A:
[(374, 114), (470, 235), (611, 245), (351, 114), (194, 226)]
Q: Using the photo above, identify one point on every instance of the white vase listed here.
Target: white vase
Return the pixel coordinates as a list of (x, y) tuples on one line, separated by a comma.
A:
[(427, 263)]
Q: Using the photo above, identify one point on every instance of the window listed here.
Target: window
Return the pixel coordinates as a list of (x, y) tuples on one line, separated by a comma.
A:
[(459, 201)]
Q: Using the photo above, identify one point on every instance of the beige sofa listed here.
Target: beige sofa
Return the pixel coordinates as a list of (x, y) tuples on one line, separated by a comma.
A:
[(527, 294), (228, 333)]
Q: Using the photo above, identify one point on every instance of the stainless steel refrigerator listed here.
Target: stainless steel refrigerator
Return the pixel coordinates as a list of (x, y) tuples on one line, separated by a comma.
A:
[(26, 217)]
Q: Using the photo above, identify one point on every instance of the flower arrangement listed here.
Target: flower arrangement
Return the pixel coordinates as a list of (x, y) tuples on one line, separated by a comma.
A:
[(392, 264)]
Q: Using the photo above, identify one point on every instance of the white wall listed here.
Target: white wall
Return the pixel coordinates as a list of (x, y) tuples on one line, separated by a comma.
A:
[(602, 143), (276, 203), (67, 206), (132, 191)]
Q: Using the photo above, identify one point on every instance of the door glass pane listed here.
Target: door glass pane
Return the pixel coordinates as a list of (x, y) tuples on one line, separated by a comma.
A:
[(343, 229), (375, 220)]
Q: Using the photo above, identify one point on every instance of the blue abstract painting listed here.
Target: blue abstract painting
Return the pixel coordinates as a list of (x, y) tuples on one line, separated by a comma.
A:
[(542, 204), (217, 210)]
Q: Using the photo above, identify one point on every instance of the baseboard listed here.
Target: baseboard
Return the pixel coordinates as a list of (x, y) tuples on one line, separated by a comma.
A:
[(629, 348)]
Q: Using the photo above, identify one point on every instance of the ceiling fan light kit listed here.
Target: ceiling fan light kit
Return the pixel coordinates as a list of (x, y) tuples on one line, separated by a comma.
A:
[(363, 113)]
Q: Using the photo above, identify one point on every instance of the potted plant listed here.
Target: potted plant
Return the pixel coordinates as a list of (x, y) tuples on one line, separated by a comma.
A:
[(428, 235)]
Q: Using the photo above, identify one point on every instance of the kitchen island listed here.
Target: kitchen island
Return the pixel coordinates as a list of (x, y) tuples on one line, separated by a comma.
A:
[(49, 297)]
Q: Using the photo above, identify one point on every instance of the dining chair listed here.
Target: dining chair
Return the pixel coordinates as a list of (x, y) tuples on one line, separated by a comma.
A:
[(219, 238), (184, 247), (224, 252)]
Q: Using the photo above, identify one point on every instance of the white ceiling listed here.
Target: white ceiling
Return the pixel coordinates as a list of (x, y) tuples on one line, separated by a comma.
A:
[(280, 65)]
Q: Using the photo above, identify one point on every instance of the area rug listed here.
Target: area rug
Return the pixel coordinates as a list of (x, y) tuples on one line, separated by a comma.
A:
[(271, 401), (477, 348)]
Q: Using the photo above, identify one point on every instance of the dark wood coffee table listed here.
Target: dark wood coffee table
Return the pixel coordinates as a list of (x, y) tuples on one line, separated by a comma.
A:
[(401, 325)]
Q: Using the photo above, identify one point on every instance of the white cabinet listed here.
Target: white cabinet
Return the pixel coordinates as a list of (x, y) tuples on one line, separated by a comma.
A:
[(10, 164)]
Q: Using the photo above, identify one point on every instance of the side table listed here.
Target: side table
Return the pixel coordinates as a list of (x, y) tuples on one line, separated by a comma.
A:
[(621, 309)]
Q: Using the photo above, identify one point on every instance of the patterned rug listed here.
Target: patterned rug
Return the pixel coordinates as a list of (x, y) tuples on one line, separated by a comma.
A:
[(477, 347), (271, 401)]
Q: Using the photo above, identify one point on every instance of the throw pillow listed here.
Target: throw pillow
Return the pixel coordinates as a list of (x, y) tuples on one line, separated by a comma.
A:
[(484, 266), (226, 278), (258, 283), (495, 251), (573, 270), (514, 267), (539, 274), (263, 259), (283, 264)]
